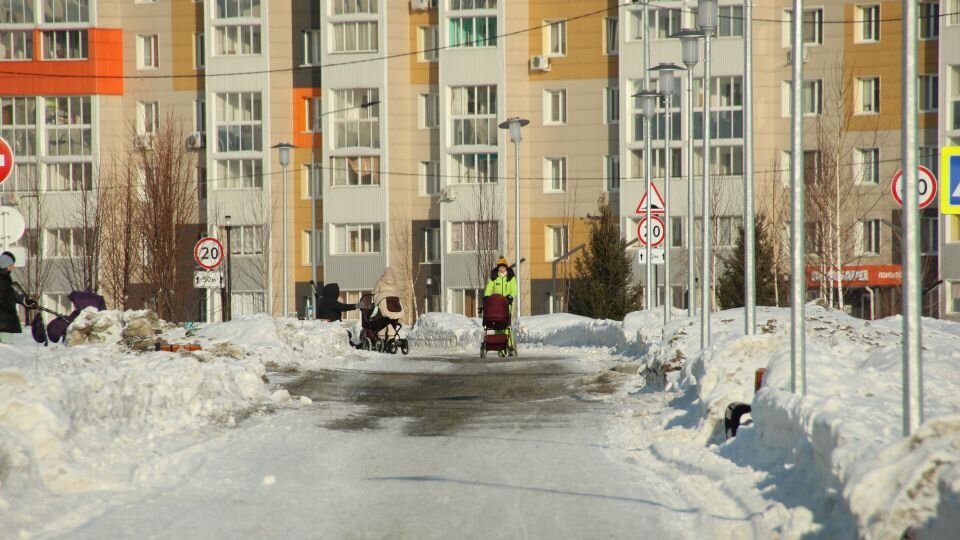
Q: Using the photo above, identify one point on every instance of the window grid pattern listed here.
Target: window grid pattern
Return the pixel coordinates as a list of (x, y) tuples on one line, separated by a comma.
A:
[(355, 171), (473, 236), (473, 110), (356, 125), (239, 117)]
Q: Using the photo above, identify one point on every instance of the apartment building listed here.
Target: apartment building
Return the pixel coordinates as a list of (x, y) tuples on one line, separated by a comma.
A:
[(392, 110), (948, 29)]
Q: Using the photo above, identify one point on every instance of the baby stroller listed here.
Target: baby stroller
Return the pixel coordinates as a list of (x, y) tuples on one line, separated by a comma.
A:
[(381, 325), (56, 330), (497, 332)]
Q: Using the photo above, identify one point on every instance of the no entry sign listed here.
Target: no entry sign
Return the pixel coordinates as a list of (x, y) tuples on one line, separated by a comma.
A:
[(6, 160)]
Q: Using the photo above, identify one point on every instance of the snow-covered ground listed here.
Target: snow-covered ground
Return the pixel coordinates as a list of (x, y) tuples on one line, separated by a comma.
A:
[(110, 414)]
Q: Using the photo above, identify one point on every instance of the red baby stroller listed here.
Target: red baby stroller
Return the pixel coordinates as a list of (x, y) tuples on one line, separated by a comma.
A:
[(497, 332)]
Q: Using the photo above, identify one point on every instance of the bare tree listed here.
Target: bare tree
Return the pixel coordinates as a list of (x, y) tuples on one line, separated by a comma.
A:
[(167, 207), (83, 267), (36, 271), (486, 215), (408, 268), (775, 201), (118, 202)]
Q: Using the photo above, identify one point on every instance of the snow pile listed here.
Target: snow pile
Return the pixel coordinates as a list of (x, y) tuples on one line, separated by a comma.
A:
[(567, 330), (844, 435), (446, 330)]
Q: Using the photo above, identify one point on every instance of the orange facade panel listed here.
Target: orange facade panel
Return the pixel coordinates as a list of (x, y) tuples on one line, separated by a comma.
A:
[(303, 137), (100, 73)]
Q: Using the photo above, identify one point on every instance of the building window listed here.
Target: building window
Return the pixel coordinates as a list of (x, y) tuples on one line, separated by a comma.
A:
[(200, 115), (868, 237), (930, 19), (233, 9), (355, 171), (663, 23), (611, 170), (148, 117), (239, 174), (473, 110), (726, 109), (474, 169), (929, 157), (237, 40), (63, 243), (428, 43), (239, 118), (356, 238), (813, 97), (727, 160), (676, 232), (867, 166), (464, 301), (16, 45), (429, 110), (473, 236), (611, 105), (611, 35), (65, 11), (658, 168), (147, 51), (458, 5), (951, 228), (429, 177), (556, 38), (431, 245), (74, 176), (928, 92), (68, 126), (473, 32), (812, 167), (869, 20), (64, 44), (555, 107), (59, 302), (868, 95), (16, 12), (812, 27), (312, 47), (18, 125), (306, 253), (355, 36), (356, 125), (246, 240), (308, 189), (731, 21), (555, 171), (953, 12), (199, 51), (313, 114), (24, 177), (953, 297), (954, 97), (351, 7), (557, 244)]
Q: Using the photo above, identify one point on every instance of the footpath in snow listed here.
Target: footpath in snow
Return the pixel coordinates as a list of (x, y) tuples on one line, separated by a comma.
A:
[(104, 414)]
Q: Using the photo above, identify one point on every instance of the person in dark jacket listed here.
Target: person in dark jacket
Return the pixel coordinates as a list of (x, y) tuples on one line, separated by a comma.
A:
[(9, 298), (329, 306)]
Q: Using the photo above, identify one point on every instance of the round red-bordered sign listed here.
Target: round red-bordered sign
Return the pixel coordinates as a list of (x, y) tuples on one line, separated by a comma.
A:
[(926, 187), (6, 160), (208, 253), (658, 229)]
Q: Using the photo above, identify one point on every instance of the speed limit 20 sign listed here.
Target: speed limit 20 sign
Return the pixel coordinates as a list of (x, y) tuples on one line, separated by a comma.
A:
[(926, 187), (208, 253), (657, 231)]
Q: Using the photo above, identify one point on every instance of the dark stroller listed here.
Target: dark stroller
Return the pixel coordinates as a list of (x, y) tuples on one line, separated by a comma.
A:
[(497, 332), (56, 330), (380, 332)]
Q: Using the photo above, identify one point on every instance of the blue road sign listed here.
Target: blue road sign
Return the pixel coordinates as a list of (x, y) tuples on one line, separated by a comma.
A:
[(950, 180)]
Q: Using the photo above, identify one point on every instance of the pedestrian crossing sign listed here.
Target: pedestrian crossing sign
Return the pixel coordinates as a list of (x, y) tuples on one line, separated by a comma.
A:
[(950, 180)]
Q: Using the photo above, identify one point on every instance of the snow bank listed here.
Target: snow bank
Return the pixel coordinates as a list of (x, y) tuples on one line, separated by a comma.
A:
[(446, 330), (845, 433)]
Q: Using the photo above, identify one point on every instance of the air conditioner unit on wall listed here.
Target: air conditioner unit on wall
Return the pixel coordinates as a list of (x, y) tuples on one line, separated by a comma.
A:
[(539, 63), (419, 5), (802, 59), (195, 141)]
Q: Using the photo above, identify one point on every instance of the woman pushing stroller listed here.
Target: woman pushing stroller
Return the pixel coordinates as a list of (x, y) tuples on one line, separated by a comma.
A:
[(502, 284)]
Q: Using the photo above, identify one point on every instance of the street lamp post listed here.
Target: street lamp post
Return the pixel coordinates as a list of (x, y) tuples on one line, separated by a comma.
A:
[(749, 240), (284, 151), (648, 107), (515, 124), (666, 71), (227, 292), (798, 284), (708, 13), (690, 41)]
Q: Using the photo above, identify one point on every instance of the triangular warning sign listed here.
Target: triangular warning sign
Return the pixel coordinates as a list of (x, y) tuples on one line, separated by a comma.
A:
[(657, 205)]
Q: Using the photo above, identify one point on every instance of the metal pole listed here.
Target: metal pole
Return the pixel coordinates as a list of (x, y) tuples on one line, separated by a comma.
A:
[(705, 303), (313, 228), (228, 307), (798, 362), (912, 299), (647, 157), (749, 263), (516, 176), (691, 252), (667, 293), (285, 254)]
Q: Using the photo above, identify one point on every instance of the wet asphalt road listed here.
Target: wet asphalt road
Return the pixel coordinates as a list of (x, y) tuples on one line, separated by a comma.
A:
[(457, 394)]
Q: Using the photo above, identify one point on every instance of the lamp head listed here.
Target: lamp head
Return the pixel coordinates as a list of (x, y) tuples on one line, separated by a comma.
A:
[(666, 71), (226, 220), (708, 16), (690, 41), (284, 149), (648, 102), (514, 124)]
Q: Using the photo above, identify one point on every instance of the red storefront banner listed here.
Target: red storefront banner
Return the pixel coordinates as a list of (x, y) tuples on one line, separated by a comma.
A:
[(877, 275)]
